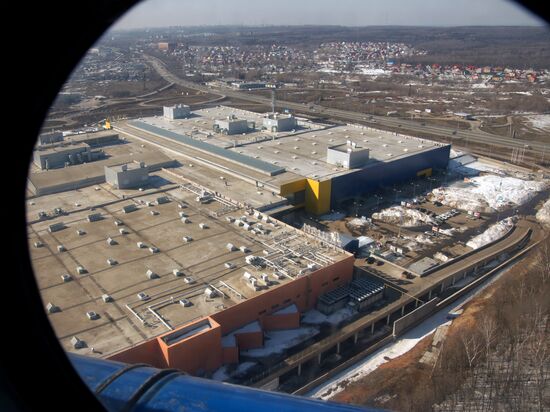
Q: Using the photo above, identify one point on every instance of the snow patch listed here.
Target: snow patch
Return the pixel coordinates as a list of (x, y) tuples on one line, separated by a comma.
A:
[(543, 215), (482, 86), (541, 122), (358, 222), (278, 341), (488, 192), (221, 374), (314, 317), (403, 216), (494, 232), (333, 216)]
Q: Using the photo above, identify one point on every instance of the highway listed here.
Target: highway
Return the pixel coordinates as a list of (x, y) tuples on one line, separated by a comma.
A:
[(461, 136)]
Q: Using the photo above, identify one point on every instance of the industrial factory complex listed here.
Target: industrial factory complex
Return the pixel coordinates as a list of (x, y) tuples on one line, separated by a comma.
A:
[(162, 240), (308, 163)]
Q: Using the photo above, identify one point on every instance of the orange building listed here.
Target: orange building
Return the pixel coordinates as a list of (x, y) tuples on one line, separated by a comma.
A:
[(166, 46), (212, 341)]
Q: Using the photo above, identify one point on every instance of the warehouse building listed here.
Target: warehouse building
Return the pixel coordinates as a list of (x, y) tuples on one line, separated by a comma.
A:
[(179, 111), (248, 85), (58, 180), (275, 122), (56, 157), (316, 166), (52, 137), (127, 176), (94, 139)]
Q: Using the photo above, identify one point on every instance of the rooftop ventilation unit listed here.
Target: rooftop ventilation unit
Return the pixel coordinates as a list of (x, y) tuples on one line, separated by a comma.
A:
[(210, 293), (231, 247), (244, 249), (106, 298), (185, 303), (203, 225), (187, 239), (94, 217), (177, 273), (66, 277), (154, 249), (77, 343), (56, 227), (111, 241), (151, 275), (141, 245), (38, 243), (80, 232), (118, 223), (81, 270), (122, 231), (112, 262), (92, 315), (61, 248), (51, 308), (229, 265), (129, 208), (189, 279), (162, 199), (143, 296), (185, 220), (279, 275), (154, 212), (182, 206)]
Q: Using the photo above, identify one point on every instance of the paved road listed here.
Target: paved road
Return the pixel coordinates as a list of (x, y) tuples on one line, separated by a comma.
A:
[(460, 136)]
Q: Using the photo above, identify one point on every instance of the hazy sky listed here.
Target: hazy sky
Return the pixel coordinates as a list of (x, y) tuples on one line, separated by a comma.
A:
[(159, 13)]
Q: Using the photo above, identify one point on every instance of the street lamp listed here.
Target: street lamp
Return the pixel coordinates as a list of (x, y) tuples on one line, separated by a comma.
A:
[(414, 188), (396, 192)]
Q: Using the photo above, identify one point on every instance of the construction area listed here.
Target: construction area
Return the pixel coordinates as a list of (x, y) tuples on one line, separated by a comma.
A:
[(261, 249)]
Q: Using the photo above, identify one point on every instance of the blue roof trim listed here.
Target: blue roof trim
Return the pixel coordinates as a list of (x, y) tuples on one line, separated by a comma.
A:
[(256, 164)]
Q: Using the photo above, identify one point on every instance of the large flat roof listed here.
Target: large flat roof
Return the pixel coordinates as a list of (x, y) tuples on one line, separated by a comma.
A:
[(60, 149), (203, 259), (254, 163), (54, 177), (302, 152)]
